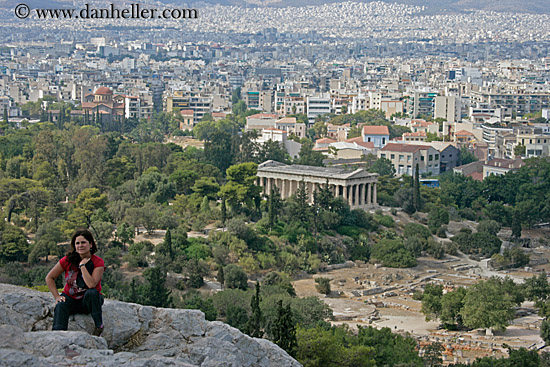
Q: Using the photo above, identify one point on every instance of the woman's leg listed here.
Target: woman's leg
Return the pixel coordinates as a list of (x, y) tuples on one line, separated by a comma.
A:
[(92, 302), (62, 312)]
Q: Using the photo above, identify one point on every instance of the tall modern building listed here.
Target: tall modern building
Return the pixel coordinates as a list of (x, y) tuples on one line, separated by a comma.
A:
[(447, 107), (317, 106)]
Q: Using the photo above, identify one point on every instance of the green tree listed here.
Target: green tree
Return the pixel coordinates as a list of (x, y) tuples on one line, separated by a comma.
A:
[(308, 156), (383, 167), (6, 119), (519, 150), (88, 201), (486, 306), (437, 217), (235, 277), (46, 241), (298, 207), (241, 188), (545, 330), (284, 330), (217, 150), (323, 285), (223, 212), (220, 276), (274, 206), (195, 270), (416, 189), (537, 288), (125, 233), (255, 322), (466, 156), (272, 150), (13, 244), (432, 355), (431, 301), (333, 347), (196, 302), (206, 186), (451, 304), (392, 253), (516, 225), (489, 226), (156, 293)]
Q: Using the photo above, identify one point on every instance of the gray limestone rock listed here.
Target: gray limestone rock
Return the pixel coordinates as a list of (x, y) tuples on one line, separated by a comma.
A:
[(134, 336)]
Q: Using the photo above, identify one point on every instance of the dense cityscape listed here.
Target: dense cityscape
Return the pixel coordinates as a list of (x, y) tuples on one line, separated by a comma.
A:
[(346, 179)]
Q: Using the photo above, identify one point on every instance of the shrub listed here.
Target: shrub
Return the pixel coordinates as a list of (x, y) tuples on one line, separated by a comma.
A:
[(467, 213), (415, 229), (235, 277), (489, 226), (442, 232), (323, 285), (384, 220), (392, 253)]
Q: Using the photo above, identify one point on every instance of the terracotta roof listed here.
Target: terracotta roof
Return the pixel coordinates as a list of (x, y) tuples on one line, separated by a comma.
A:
[(505, 163), (422, 123), (262, 116), (332, 126), (274, 129), (103, 91), (375, 130), (359, 140), (187, 112), (325, 141), (286, 120), (407, 148), (218, 114), (478, 176), (463, 133)]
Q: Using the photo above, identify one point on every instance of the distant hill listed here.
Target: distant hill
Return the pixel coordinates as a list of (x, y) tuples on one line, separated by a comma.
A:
[(433, 6)]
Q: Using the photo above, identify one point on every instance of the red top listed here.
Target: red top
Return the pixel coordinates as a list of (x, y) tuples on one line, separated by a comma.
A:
[(71, 272)]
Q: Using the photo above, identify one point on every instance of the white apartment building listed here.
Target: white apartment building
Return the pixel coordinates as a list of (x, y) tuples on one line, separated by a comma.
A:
[(447, 107), (317, 106)]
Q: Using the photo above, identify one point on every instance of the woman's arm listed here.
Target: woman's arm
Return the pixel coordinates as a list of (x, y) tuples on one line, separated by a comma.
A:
[(56, 271), (93, 279)]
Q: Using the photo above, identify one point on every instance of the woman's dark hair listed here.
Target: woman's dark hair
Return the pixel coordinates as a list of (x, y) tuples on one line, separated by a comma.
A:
[(74, 257)]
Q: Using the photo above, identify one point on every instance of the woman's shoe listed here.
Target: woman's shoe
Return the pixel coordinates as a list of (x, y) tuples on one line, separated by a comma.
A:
[(97, 331)]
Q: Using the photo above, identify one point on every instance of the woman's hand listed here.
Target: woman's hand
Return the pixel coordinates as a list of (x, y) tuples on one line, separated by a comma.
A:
[(60, 299), (84, 261)]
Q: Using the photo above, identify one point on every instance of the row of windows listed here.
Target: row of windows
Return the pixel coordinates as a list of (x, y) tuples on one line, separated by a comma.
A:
[(531, 141), (431, 157)]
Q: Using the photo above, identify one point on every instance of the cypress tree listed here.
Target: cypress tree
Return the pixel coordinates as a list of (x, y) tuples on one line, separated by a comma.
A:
[(302, 209), (254, 327), (284, 332), (168, 243), (416, 188), (516, 225), (270, 213), (221, 275), (157, 294), (5, 114), (224, 212)]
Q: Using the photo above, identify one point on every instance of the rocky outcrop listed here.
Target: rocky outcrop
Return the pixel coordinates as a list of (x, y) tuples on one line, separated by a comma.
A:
[(134, 335)]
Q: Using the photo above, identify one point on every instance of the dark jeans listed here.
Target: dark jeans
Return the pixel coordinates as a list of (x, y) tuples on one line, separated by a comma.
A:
[(90, 303)]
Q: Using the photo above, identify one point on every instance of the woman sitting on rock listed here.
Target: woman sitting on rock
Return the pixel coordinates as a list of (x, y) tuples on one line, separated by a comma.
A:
[(83, 272)]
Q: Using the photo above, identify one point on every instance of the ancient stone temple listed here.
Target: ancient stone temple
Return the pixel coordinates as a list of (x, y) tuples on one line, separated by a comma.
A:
[(357, 187)]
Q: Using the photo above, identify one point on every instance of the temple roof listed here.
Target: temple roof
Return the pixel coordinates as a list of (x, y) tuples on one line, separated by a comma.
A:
[(324, 172)]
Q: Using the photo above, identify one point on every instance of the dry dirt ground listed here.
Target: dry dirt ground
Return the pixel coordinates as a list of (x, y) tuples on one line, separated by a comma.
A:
[(392, 306)]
